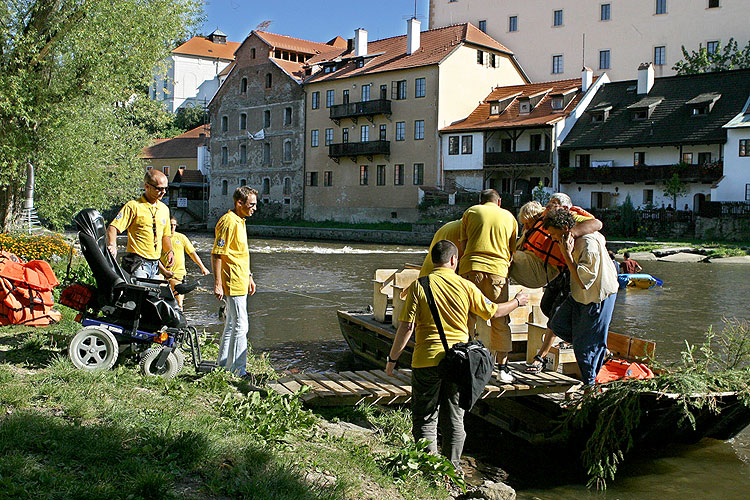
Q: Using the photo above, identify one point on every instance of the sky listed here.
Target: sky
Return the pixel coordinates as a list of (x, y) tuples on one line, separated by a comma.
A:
[(314, 20)]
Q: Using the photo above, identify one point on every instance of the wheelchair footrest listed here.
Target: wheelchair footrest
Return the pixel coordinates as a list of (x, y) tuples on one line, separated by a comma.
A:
[(206, 367)]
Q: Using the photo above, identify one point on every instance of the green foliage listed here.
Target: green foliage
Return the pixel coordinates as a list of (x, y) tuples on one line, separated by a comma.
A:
[(724, 58), (414, 459), (675, 188), (540, 195), (149, 115), (628, 218), (189, 117)]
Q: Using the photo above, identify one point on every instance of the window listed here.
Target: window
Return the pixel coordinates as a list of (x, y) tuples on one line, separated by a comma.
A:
[(704, 158), (557, 18), (265, 190), (224, 123), (243, 182), (314, 138), (535, 142), (224, 155), (513, 23), (493, 60), (330, 98), (329, 136), (364, 133), (243, 154), (315, 100), (224, 187), (747, 192), (365, 93), (583, 161), (312, 179), (480, 57), (345, 96), (640, 114), (418, 130), (453, 145), (557, 64), (712, 4), (381, 175), (639, 158), (383, 132), (165, 170), (418, 174), (398, 175), (661, 6), (328, 178), (605, 12), (483, 26), (744, 147), (287, 116), (287, 151), (243, 121), (604, 59), (363, 169), (648, 196), (419, 87), (494, 108), (557, 103), (267, 118), (384, 92), (287, 189), (267, 153), (660, 55), (269, 80), (243, 86), (712, 46), (506, 145), (466, 144), (398, 90), (400, 131), (345, 135), (252, 53), (687, 158)]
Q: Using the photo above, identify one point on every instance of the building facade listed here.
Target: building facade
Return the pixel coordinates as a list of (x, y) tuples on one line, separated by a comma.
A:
[(734, 185), (258, 134), (373, 112), (552, 40)]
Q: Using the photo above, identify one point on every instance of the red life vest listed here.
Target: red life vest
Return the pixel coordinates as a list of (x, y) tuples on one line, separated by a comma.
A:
[(543, 246), (615, 369), (26, 292)]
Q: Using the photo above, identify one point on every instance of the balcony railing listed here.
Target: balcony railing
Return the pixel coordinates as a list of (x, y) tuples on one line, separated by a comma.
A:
[(650, 174), (368, 148), (517, 158), (364, 108)]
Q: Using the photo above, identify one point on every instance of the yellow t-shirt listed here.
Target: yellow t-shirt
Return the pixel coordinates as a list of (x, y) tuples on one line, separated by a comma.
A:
[(181, 246), (455, 298), (231, 244), (490, 235), (451, 232), (140, 219)]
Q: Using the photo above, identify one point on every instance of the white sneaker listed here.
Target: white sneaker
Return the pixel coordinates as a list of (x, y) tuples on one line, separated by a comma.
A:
[(505, 376)]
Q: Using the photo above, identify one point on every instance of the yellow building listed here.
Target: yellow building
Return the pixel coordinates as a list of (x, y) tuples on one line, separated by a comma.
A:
[(373, 112)]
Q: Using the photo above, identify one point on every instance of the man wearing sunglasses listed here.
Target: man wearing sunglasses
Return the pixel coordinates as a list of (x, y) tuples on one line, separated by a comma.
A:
[(147, 222)]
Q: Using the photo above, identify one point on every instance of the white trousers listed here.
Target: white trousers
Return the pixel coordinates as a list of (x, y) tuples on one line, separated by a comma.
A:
[(233, 346)]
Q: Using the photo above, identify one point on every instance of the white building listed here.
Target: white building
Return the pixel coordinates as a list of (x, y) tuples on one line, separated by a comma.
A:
[(192, 73), (735, 183), (552, 40)]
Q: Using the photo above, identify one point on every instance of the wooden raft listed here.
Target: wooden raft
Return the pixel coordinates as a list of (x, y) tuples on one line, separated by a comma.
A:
[(374, 386)]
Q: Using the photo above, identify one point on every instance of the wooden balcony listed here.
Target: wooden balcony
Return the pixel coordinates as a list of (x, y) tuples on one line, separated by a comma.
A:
[(354, 149), (357, 109), (497, 159), (649, 174)]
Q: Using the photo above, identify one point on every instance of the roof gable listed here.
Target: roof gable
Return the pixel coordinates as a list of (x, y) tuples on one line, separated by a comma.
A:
[(184, 145), (202, 47)]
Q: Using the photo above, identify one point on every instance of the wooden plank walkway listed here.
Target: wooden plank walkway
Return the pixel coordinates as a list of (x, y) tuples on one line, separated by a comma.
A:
[(374, 386)]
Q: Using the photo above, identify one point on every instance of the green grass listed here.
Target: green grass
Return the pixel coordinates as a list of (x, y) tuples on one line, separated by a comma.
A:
[(711, 249)]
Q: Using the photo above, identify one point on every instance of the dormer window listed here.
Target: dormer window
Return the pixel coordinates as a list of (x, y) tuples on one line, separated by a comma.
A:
[(360, 63), (642, 109), (495, 108), (557, 103), (524, 107), (702, 104), (640, 114), (600, 112), (500, 105)]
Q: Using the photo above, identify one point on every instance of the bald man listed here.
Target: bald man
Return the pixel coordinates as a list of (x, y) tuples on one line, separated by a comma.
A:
[(147, 222)]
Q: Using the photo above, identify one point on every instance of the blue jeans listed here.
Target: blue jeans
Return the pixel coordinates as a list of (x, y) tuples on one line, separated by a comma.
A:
[(586, 326), (233, 345), (147, 269)]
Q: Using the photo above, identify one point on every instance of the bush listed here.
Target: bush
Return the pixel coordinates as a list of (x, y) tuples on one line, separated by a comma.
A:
[(628, 218), (41, 247)]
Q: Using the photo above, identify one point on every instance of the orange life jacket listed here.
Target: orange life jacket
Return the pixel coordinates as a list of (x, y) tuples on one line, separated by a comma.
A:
[(615, 369), (26, 292), (543, 246)]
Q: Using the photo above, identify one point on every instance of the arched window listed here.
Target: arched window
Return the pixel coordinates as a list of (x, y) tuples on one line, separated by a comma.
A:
[(243, 154), (243, 121), (243, 182), (224, 187), (287, 150), (269, 80), (243, 86), (224, 123), (266, 186), (287, 186)]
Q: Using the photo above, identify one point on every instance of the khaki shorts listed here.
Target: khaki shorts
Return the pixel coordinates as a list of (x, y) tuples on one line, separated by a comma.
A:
[(528, 270), (495, 288)]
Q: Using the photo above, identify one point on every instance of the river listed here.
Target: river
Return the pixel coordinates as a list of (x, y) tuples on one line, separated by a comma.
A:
[(302, 284)]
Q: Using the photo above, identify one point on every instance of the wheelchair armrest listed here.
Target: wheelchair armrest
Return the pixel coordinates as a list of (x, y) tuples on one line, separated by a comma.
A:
[(152, 281), (136, 288)]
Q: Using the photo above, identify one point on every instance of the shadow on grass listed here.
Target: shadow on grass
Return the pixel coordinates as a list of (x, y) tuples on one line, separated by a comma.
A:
[(54, 458), (30, 348)]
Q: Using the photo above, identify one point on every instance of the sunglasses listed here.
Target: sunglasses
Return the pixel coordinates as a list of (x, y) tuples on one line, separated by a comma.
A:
[(160, 189)]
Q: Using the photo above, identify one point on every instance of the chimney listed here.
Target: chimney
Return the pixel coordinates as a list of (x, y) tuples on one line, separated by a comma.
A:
[(412, 35), (360, 42), (587, 77), (645, 78)]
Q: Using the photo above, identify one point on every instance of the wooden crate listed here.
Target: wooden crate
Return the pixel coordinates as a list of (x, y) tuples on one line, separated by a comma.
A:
[(401, 283), (531, 311), (382, 293)]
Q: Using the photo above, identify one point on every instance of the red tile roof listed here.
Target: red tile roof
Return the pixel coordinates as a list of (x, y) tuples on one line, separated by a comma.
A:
[(390, 53), (182, 146), (203, 47), (284, 42), (542, 114), (295, 70)]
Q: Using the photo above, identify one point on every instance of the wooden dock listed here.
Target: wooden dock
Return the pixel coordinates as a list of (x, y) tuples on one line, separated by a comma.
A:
[(374, 386)]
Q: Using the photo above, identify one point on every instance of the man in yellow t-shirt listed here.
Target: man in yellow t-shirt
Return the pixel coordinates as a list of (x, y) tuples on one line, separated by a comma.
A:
[(451, 232), (230, 259), (176, 272), (146, 220), (488, 240), (455, 298)]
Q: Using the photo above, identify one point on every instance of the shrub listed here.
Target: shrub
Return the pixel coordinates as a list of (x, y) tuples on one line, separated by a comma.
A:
[(628, 218), (33, 247)]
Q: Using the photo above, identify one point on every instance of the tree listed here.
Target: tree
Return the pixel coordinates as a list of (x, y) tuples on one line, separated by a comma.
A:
[(65, 68), (675, 188), (189, 117), (628, 218), (150, 115), (723, 58)]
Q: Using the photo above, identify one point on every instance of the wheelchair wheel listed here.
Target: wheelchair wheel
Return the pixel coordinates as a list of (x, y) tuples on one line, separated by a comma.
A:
[(148, 364), (180, 355), (93, 349)]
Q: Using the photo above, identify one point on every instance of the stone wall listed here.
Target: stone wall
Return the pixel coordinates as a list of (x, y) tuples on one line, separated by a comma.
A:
[(363, 235), (723, 228)]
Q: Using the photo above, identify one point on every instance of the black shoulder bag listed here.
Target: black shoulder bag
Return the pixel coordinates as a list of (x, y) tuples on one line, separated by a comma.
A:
[(467, 364)]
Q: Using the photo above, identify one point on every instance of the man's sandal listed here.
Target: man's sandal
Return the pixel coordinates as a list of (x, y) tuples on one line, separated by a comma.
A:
[(536, 368)]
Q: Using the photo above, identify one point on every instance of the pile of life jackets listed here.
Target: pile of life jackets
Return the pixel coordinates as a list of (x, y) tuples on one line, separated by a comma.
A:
[(26, 292)]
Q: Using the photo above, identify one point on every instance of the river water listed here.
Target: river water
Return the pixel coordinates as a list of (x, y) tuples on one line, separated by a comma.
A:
[(302, 284)]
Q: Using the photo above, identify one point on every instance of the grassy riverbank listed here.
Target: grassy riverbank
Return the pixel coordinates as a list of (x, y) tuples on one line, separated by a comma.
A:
[(710, 249), (65, 433)]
